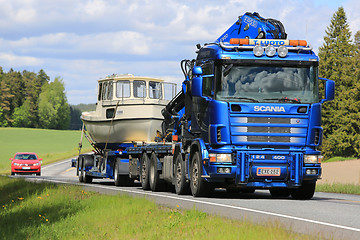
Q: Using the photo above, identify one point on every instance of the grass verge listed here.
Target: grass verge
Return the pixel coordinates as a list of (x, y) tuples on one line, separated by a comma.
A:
[(338, 188), (46, 211), (338, 159), (50, 145)]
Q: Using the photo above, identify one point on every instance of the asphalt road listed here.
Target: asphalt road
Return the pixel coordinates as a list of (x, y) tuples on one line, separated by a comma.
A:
[(335, 216)]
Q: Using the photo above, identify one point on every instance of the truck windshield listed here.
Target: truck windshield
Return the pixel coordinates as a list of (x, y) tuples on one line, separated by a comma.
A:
[(267, 83)]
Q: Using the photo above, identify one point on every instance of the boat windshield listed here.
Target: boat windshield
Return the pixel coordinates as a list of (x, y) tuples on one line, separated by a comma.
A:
[(139, 88), (267, 83), (155, 90)]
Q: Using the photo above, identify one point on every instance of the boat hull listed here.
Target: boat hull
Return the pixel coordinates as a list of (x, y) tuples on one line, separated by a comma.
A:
[(123, 130)]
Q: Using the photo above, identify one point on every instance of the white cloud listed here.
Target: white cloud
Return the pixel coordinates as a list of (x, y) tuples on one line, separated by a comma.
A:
[(10, 60), (126, 42), (25, 15), (93, 8)]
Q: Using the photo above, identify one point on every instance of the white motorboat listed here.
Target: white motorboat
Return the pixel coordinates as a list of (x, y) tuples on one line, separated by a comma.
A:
[(128, 109)]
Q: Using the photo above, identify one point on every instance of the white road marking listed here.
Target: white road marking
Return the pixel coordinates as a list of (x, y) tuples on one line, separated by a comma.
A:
[(219, 205)]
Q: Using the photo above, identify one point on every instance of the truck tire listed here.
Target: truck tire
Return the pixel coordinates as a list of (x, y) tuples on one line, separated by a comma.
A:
[(121, 180), (304, 192), (144, 172), (87, 160), (156, 184), (199, 187), (80, 174), (181, 185), (280, 192)]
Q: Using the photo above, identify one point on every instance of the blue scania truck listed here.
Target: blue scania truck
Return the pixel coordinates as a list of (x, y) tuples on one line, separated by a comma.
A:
[(248, 117)]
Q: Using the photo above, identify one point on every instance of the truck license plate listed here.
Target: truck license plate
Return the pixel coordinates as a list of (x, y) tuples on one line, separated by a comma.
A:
[(26, 168), (268, 172)]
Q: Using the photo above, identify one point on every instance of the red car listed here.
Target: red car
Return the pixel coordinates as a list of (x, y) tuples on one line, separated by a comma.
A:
[(25, 163)]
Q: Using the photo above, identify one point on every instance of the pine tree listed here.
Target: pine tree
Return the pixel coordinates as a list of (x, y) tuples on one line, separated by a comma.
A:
[(341, 116)]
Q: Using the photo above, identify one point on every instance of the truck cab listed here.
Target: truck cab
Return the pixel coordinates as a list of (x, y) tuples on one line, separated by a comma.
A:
[(256, 106)]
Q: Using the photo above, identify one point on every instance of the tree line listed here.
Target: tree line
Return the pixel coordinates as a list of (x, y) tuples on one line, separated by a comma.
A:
[(29, 99)]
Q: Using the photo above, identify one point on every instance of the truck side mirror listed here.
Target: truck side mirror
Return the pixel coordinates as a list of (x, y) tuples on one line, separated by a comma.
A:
[(197, 70), (329, 90), (196, 85)]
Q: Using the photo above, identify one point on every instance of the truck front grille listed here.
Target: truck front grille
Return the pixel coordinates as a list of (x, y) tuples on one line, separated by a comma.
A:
[(268, 130)]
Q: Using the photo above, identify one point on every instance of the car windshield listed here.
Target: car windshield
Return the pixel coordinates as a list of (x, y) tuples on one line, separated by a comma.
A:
[(267, 83), (25, 157)]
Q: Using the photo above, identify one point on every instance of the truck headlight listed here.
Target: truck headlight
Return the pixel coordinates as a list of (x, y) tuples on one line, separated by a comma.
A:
[(220, 157), (313, 158)]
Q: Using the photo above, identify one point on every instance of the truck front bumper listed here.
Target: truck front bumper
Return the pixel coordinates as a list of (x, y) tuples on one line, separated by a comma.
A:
[(289, 171)]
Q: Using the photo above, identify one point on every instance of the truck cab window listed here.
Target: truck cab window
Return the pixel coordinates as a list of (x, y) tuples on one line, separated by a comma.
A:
[(208, 77)]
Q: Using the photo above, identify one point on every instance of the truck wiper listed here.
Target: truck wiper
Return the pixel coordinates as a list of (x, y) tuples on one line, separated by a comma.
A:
[(242, 98), (285, 99)]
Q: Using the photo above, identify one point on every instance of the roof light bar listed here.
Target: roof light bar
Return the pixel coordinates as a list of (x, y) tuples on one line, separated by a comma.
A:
[(290, 45), (275, 42)]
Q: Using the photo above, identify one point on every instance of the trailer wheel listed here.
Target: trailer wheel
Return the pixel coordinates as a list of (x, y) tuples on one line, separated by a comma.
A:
[(181, 185), (80, 163), (199, 187), (144, 172), (121, 180), (304, 192), (87, 160), (86, 178), (280, 192), (156, 184)]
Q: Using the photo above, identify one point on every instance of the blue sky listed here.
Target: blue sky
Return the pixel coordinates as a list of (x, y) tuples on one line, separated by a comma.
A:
[(83, 40)]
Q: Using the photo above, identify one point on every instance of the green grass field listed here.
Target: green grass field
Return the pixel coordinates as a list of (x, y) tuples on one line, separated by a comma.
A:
[(46, 211), (338, 188), (50, 145)]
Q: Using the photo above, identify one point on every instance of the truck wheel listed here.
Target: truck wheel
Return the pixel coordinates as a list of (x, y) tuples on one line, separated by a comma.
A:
[(181, 185), (80, 162), (280, 192), (154, 180), (144, 172), (199, 187), (304, 192)]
